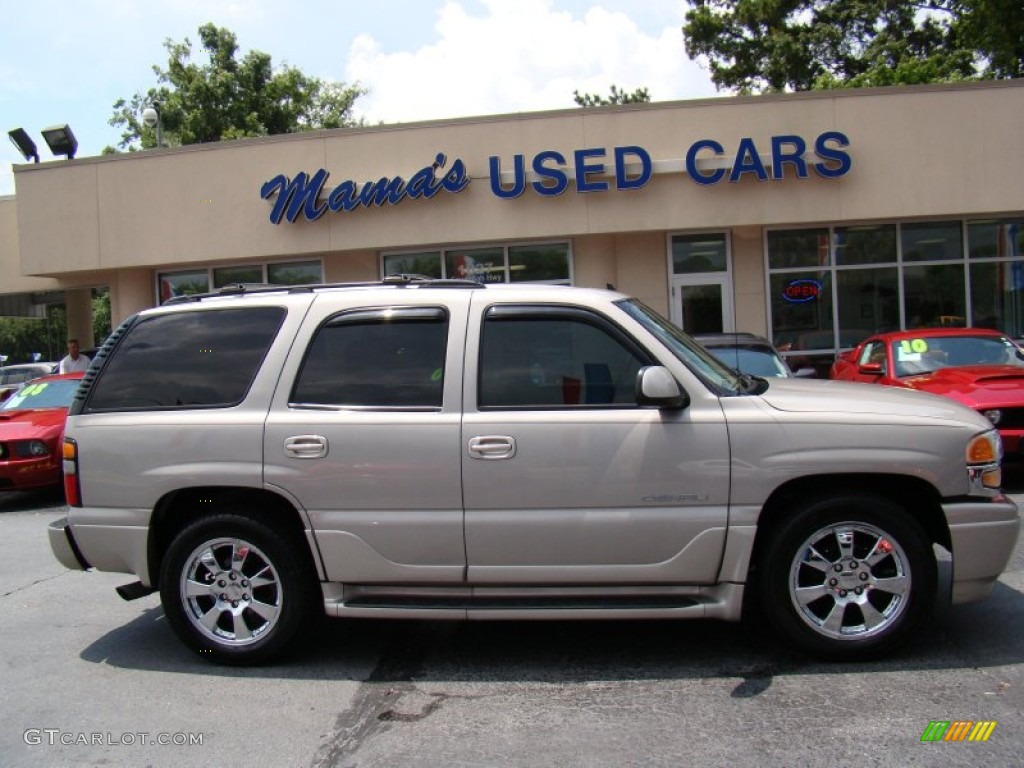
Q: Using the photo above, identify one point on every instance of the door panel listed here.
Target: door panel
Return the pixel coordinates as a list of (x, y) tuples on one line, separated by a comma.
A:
[(596, 490), (368, 441)]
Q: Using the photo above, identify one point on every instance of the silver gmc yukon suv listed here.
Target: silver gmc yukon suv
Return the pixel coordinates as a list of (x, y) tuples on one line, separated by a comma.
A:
[(449, 450)]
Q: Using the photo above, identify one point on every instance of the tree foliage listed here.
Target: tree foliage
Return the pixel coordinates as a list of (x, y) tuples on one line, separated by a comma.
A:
[(229, 98), (754, 46), (640, 95)]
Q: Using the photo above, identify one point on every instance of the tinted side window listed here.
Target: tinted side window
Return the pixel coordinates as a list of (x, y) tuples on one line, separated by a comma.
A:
[(186, 360), (556, 361), (391, 358)]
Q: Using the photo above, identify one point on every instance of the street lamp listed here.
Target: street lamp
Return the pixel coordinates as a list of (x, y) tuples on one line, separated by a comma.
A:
[(61, 140), (20, 138), (151, 117)]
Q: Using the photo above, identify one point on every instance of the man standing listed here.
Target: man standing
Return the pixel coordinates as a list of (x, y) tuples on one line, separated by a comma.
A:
[(75, 361)]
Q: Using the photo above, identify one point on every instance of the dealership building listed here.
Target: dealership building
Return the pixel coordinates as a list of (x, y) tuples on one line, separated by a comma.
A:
[(813, 218)]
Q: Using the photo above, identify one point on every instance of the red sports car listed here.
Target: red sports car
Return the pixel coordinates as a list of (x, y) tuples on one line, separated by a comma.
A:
[(32, 432), (983, 369)]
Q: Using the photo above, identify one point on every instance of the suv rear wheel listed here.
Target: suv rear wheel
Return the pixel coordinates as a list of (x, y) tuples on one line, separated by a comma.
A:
[(234, 589), (848, 578)]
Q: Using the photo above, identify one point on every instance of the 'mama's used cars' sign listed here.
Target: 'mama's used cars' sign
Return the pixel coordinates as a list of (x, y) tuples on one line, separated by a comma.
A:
[(548, 173)]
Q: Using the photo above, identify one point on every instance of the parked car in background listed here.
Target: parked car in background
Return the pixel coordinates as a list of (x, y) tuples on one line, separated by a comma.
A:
[(13, 376), (749, 353), (32, 430), (981, 368)]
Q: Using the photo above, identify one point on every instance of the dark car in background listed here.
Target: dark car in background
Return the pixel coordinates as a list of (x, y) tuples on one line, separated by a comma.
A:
[(13, 376), (749, 353), (31, 432)]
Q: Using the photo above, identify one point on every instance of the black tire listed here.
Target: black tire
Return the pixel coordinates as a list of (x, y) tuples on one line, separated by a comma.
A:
[(252, 589), (848, 578)]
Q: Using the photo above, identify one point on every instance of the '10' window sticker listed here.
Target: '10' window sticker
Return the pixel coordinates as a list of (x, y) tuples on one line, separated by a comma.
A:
[(910, 350)]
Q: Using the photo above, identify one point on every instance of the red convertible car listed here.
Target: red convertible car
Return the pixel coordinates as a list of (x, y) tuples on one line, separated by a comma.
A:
[(32, 431), (983, 369)]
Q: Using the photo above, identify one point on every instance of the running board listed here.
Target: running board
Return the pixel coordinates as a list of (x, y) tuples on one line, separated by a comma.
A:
[(722, 601)]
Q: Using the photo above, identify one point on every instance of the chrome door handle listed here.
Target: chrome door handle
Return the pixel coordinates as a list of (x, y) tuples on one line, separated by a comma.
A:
[(306, 446), (490, 447)]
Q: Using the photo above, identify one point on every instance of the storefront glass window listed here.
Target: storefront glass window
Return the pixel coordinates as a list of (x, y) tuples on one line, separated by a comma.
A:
[(997, 296), (926, 286), (229, 275), (802, 310), (485, 265), (183, 284), (865, 245), (934, 295), (868, 301), (539, 263), (295, 273), (932, 241), (996, 239), (699, 253), (788, 249), (427, 263)]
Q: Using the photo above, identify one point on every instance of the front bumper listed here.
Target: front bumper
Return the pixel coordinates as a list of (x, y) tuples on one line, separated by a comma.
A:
[(64, 546), (984, 534)]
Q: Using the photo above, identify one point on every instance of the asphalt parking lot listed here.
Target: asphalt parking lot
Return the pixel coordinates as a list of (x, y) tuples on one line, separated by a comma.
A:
[(90, 680)]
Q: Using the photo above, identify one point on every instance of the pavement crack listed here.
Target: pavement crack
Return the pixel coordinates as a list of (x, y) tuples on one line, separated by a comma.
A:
[(31, 584)]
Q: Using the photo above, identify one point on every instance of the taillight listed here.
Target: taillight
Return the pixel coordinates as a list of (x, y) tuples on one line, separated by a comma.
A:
[(72, 488)]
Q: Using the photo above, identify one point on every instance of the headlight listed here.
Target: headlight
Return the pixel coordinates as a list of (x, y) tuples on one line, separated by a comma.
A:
[(994, 415), (31, 449), (984, 452), (986, 448)]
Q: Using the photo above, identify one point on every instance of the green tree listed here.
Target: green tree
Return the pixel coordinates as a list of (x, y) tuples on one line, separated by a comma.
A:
[(638, 96), (754, 46), (230, 98)]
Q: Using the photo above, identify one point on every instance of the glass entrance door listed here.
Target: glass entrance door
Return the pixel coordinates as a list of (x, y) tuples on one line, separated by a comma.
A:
[(702, 304)]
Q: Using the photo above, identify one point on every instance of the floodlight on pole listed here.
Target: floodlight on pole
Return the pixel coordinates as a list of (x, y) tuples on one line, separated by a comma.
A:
[(20, 138), (61, 140)]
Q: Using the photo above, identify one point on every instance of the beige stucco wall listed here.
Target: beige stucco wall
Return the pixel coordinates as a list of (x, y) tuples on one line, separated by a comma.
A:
[(748, 279), (917, 152), (11, 278)]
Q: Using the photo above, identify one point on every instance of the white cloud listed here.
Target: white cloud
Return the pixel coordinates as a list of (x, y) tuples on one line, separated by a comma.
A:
[(521, 56)]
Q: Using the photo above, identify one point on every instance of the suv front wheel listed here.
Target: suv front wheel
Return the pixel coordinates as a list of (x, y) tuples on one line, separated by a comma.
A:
[(234, 590), (849, 577)]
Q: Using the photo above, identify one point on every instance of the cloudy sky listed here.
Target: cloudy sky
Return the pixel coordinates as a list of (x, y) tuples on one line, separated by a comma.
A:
[(68, 61)]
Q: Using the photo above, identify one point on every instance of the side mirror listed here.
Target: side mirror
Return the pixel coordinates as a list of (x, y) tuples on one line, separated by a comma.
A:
[(870, 369), (656, 387)]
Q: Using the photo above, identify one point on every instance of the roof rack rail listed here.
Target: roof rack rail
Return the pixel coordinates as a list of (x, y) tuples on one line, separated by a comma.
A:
[(398, 281)]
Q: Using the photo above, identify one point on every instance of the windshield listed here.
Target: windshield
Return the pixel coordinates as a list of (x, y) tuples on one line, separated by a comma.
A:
[(713, 371), (926, 354), (44, 394)]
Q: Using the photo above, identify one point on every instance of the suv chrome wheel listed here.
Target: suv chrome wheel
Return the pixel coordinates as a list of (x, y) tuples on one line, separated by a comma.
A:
[(237, 590), (847, 577), (231, 591), (850, 580)]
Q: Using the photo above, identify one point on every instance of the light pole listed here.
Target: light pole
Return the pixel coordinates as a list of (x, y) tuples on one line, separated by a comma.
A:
[(151, 117)]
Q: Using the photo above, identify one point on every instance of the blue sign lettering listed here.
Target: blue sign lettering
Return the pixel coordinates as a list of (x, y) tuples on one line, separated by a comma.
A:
[(633, 168), (837, 163), (301, 195), (622, 181)]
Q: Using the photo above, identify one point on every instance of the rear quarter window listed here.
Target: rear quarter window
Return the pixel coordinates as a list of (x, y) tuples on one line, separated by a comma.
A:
[(186, 360)]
